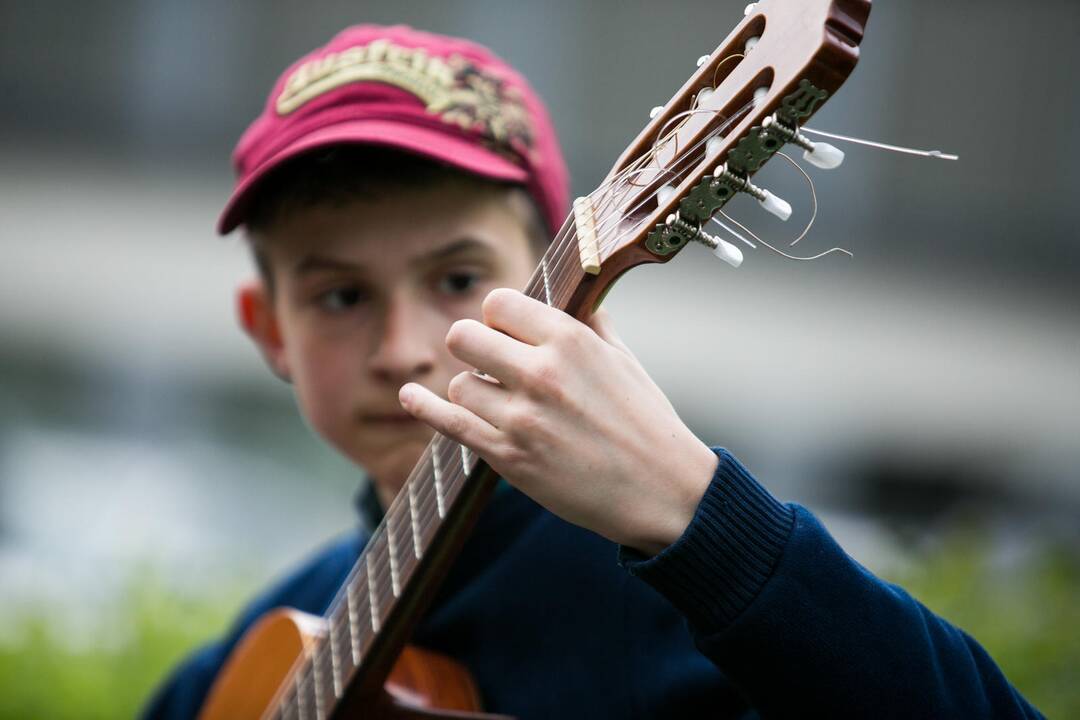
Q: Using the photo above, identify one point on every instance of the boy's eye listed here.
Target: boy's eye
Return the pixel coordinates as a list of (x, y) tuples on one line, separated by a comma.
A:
[(457, 283), (340, 299)]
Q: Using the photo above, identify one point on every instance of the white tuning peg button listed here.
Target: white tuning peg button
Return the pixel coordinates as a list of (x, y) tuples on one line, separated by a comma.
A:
[(728, 253), (703, 59), (777, 206), (824, 156), (656, 111), (721, 248), (750, 9), (664, 194)]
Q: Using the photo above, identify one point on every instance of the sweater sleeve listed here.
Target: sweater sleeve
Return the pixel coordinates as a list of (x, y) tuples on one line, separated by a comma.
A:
[(803, 629)]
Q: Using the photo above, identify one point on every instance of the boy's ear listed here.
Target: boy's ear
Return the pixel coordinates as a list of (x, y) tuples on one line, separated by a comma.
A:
[(255, 310)]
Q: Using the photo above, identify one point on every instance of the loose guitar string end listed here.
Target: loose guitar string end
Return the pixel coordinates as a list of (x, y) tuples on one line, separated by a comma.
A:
[(936, 154)]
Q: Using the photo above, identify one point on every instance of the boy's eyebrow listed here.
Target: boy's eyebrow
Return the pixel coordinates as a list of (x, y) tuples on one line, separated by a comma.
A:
[(315, 263), (449, 250)]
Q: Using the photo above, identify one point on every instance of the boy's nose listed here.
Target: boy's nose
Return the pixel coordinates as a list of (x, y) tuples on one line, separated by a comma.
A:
[(402, 351)]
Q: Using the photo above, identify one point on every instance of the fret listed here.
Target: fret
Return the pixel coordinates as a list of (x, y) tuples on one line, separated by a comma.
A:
[(391, 547), (354, 623), (466, 459), (436, 469), (300, 713), (289, 702), (415, 519), (316, 687), (373, 601), (547, 283), (335, 663)]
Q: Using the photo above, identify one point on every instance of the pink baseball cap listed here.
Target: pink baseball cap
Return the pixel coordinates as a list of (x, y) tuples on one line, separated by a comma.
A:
[(440, 97)]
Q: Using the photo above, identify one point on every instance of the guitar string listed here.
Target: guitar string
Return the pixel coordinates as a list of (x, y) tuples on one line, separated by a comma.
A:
[(451, 465), (453, 468), (362, 605)]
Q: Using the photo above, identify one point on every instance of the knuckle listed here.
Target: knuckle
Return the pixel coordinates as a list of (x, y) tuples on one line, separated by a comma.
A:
[(524, 421), (456, 425), (456, 336), (496, 301), (455, 391), (544, 379), (513, 456), (576, 335)]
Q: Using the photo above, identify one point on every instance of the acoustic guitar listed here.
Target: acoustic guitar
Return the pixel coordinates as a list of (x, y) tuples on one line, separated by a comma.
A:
[(746, 101)]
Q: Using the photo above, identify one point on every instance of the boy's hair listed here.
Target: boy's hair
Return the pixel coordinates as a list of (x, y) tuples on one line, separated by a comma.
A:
[(336, 175)]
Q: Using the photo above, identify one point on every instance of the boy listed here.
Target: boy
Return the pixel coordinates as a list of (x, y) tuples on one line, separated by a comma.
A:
[(396, 184)]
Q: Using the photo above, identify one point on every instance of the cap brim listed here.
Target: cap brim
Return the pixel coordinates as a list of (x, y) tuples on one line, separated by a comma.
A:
[(437, 144)]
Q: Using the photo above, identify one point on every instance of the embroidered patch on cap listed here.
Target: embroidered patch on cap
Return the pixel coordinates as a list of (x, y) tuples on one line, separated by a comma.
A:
[(453, 88)]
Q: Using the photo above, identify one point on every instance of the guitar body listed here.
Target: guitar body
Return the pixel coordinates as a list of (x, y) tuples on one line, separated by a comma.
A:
[(422, 684)]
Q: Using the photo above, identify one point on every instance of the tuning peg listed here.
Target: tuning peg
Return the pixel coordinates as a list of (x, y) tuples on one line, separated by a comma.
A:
[(750, 9), (775, 205), (721, 248), (824, 155), (750, 43), (772, 204), (656, 111), (703, 59), (694, 232), (819, 154)]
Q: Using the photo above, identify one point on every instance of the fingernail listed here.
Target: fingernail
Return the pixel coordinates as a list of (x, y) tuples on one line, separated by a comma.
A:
[(405, 394)]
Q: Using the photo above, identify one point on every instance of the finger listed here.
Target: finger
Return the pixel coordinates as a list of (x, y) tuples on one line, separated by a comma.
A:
[(486, 399), (447, 418), (488, 350), (602, 324), (522, 317)]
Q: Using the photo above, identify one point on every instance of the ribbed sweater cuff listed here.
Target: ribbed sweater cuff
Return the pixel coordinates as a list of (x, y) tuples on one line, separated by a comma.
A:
[(727, 553)]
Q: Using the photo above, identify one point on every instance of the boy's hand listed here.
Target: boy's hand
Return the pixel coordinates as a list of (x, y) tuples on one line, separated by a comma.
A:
[(573, 421)]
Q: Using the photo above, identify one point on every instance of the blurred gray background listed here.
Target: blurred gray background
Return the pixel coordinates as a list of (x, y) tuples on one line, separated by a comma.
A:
[(934, 376)]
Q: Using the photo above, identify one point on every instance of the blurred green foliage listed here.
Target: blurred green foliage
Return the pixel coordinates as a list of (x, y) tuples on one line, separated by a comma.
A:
[(1025, 612), (1028, 618), (109, 671)]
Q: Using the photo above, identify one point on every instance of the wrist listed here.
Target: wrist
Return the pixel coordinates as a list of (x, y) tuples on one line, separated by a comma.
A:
[(717, 567), (666, 521)]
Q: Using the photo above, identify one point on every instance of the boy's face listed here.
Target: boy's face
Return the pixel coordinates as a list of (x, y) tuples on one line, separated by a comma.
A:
[(363, 297)]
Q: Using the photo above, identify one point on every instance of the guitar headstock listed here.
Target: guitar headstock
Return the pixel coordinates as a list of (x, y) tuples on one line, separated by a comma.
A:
[(746, 101)]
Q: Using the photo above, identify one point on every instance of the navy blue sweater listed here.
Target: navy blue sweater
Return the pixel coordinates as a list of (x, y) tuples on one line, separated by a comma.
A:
[(754, 611)]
